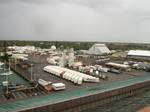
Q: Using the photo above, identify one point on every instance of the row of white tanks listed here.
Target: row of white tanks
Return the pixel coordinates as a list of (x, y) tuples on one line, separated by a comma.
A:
[(94, 71), (71, 75), (91, 69)]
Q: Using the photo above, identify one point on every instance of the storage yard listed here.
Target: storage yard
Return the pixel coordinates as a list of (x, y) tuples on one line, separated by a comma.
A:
[(51, 71)]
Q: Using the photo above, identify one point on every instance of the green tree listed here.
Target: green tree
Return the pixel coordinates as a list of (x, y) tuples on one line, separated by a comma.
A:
[(5, 56)]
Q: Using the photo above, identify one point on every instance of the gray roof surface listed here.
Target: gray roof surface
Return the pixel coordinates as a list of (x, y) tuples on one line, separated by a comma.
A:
[(67, 95)]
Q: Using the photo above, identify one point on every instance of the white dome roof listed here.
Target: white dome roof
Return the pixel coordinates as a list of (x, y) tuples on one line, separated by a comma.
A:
[(53, 47)]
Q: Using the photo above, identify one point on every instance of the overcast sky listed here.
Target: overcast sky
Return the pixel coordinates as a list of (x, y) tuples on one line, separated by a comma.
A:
[(78, 20)]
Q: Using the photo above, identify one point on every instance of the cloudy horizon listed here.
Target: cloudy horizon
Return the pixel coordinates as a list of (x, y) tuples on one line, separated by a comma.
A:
[(75, 20)]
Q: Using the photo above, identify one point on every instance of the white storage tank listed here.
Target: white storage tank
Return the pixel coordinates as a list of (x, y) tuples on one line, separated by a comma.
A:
[(66, 75), (73, 78), (80, 79), (76, 79), (71, 75), (91, 71), (97, 72)]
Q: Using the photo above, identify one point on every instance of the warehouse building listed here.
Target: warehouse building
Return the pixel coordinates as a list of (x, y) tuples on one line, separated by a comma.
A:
[(139, 54)]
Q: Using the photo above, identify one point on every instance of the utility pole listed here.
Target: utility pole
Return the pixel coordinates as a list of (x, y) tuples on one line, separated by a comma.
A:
[(15, 63), (31, 72), (9, 65), (7, 84)]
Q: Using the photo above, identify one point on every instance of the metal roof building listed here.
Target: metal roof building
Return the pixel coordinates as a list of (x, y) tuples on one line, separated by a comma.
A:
[(98, 49), (139, 54), (31, 103)]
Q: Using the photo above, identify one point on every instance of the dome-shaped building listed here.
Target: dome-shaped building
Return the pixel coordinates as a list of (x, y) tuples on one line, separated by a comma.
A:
[(53, 47)]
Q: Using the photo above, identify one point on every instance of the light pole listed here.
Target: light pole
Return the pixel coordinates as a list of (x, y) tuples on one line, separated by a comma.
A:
[(6, 76), (9, 65), (31, 72), (7, 84), (15, 63)]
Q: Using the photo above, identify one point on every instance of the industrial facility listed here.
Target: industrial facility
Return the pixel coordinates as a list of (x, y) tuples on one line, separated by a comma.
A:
[(139, 54), (48, 78), (98, 49)]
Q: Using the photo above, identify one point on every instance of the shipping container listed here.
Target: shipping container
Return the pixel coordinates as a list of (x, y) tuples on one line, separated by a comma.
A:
[(58, 86)]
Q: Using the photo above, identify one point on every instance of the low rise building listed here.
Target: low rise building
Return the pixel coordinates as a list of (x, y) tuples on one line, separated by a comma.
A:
[(139, 54)]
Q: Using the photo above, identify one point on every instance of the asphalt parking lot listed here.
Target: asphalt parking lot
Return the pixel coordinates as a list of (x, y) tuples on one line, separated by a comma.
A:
[(40, 63)]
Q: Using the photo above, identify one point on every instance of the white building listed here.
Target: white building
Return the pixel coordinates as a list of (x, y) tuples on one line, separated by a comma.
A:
[(98, 49), (53, 47), (139, 54), (71, 57), (22, 49)]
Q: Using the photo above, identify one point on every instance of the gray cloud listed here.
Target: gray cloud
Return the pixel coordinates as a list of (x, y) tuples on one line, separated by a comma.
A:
[(78, 20)]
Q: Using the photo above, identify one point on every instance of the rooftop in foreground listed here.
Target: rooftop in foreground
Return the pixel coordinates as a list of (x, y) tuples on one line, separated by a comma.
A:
[(67, 95)]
